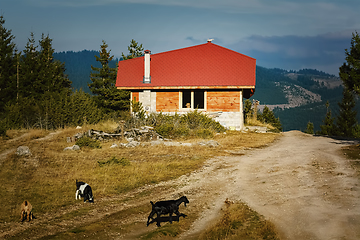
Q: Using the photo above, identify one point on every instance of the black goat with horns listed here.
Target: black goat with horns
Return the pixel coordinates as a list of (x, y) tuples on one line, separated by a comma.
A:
[(166, 207)]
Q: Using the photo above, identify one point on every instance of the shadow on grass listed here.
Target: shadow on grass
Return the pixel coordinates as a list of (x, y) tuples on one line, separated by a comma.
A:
[(159, 220)]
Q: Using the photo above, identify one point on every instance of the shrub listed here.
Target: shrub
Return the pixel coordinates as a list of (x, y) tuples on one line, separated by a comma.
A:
[(88, 142), (204, 133), (193, 123), (165, 130), (267, 116), (196, 120), (310, 128), (113, 160)]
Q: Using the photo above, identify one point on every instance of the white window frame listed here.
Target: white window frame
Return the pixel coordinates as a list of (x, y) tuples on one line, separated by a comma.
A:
[(192, 101)]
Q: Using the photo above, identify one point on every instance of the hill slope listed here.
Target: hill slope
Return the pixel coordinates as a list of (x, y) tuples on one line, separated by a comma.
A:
[(78, 66), (297, 97)]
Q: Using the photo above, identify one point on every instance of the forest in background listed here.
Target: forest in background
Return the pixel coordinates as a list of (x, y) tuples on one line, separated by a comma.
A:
[(43, 89), (269, 90)]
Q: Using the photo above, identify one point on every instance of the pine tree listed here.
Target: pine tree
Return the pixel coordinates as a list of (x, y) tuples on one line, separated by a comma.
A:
[(29, 68), (85, 108), (51, 72), (107, 96), (8, 66), (135, 50), (309, 128), (328, 128), (346, 120), (268, 116), (350, 71), (248, 112)]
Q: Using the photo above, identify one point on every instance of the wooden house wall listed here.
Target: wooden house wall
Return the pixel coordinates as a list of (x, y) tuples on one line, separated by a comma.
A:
[(225, 101), (216, 101), (135, 96), (167, 101)]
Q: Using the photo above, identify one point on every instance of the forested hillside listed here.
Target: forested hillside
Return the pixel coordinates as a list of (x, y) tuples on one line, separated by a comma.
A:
[(296, 97), (78, 66)]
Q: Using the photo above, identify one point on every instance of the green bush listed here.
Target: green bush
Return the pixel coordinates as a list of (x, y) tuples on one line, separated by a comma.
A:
[(113, 160), (193, 123), (165, 130), (309, 128), (181, 130), (88, 142), (198, 120), (204, 133)]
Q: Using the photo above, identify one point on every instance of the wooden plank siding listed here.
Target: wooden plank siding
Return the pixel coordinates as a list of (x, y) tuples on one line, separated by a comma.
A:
[(225, 101), (167, 101), (135, 96)]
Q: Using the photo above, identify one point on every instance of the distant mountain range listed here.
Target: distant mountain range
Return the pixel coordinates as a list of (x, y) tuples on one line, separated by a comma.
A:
[(296, 97)]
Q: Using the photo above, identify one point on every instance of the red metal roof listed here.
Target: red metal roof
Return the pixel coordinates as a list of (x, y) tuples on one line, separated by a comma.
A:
[(205, 65)]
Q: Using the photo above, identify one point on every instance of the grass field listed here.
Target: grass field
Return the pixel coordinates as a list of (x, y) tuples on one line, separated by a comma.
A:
[(47, 179)]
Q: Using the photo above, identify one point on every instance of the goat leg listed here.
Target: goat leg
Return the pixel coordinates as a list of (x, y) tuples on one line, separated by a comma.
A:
[(170, 218), (158, 219), (22, 216), (151, 215)]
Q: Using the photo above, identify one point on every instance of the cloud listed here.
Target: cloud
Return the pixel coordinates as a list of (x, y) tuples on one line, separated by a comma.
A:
[(325, 52)]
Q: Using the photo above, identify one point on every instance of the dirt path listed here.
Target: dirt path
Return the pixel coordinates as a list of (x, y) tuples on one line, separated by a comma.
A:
[(301, 183), (4, 154)]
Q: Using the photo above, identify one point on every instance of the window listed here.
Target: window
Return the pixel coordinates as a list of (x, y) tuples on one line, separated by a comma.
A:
[(192, 99), (199, 99)]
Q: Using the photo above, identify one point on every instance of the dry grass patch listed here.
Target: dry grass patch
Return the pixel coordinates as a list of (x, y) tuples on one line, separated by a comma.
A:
[(50, 183), (238, 221)]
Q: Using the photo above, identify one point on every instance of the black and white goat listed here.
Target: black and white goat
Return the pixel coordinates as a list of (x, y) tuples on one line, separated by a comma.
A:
[(166, 207), (83, 190)]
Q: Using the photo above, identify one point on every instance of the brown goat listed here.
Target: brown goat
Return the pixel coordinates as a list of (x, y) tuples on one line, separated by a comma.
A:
[(26, 211)]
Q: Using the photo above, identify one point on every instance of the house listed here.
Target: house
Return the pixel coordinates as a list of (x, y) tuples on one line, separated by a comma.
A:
[(207, 77)]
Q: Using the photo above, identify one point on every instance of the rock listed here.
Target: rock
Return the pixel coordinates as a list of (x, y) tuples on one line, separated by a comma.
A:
[(175, 144), (78, 127), (210, 143), (256, 129), (73, 148), (114, 145), (186, 144), (133, 144), (157, 142), (23, 151)]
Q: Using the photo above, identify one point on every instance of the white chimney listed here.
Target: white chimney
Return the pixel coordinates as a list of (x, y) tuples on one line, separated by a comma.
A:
[(147, 77)]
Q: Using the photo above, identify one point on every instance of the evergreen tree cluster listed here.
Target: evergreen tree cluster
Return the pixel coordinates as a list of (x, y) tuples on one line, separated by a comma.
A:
[(345, 124), (35, 92), (267, 116)]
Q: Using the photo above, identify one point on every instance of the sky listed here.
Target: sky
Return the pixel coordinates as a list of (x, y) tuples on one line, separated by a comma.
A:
[(286, 34)]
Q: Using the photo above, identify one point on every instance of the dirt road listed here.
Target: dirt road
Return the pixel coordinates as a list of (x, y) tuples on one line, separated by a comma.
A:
[(301, 183)]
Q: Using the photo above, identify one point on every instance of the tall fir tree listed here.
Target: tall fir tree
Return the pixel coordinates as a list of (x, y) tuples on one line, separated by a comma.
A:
[(346, 120), (51, 72), (107, 96), (29, 69), (267, 116), (135, 50), (350, 71), (328, 128), (8, 66)]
